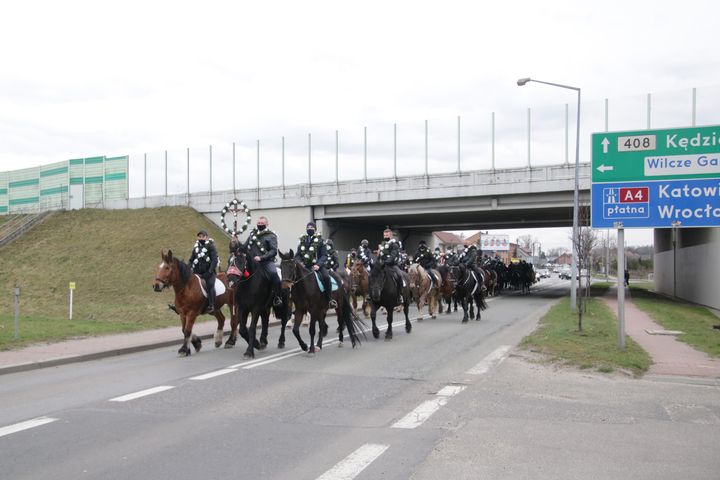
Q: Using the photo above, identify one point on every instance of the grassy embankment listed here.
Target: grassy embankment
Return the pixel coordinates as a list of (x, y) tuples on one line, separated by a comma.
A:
[(558, 339), (112, 257), (696, 322)]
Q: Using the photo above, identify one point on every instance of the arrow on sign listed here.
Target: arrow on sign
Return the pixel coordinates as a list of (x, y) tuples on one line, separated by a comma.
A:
[(604, 168), (605, 144)]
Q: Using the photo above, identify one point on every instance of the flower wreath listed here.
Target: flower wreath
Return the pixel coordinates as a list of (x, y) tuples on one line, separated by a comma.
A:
[(309, 254), (201, 251), (235, 205), (256, 239)]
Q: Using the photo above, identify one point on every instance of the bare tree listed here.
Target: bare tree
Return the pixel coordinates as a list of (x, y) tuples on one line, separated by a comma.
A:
[(526, 241), (585, 241)]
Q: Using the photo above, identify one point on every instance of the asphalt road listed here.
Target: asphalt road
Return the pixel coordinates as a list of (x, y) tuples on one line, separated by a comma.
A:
[(440, 402)]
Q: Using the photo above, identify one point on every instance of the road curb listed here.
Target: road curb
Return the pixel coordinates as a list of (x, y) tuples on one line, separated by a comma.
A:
[(112, 352)]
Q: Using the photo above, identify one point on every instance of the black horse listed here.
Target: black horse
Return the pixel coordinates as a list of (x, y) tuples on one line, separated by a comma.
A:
[(468, 291), (253, 296), (384, 293), (307, 298)]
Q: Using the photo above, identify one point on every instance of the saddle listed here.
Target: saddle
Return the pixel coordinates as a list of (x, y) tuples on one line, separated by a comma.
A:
[(219, 286), (333, 283)]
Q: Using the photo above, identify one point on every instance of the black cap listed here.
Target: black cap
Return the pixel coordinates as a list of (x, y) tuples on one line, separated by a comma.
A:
[(422, 242), (310, 224), (202, 232)]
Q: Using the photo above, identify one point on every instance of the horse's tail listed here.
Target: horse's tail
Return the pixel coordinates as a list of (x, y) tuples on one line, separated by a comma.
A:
[(355, 326)]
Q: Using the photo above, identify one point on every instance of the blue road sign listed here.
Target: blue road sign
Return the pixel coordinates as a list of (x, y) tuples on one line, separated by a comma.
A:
[(656, 204)]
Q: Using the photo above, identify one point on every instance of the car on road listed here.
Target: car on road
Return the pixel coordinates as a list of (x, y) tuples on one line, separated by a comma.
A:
[(565, 274)]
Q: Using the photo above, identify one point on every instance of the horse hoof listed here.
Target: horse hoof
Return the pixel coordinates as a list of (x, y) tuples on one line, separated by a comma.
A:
[(304, 347), (218, 344), (341, 344), (281, 344), (376, 334), (433, 317), (311, 350), (464, 320), (388, 337), (419, 319), (248, 355), (197, 344), (408, 329), (229, 345), (184, 352)]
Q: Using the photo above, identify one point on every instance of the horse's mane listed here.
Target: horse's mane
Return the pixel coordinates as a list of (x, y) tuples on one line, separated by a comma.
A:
[(184, 270)]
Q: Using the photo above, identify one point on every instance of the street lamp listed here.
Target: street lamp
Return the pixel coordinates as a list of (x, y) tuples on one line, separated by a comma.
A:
[(573, 279)]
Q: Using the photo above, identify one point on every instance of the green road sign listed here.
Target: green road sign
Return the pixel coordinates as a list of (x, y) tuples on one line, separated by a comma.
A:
[(678, 153)]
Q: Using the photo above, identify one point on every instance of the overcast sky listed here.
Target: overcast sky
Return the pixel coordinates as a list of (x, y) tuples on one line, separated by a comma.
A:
[(82, 78)]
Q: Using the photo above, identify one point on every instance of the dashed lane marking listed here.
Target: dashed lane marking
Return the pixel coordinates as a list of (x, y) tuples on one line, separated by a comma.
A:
[(351, 466), (425, 410), (142, 393), (19, 427), (214, 374), (493, 359)]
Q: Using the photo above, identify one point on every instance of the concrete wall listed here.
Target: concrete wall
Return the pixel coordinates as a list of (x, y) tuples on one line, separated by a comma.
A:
[(690, 270)]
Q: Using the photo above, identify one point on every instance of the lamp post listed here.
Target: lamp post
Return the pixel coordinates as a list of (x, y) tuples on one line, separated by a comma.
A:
[(574, 272)]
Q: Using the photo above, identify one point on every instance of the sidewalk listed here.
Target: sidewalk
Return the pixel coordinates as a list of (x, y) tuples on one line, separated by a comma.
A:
[(670, 356), (90, 348)]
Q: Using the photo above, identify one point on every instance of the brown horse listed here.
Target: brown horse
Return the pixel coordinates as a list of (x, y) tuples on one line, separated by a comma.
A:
[(423, 291), (360, 286), (190, 301), (447, 288)]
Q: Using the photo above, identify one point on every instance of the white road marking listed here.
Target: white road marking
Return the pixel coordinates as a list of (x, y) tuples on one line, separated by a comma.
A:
[(493, 359), (19, 427), (423, 411), (142, 393), (281, 354), (351, 466), (214, 374)]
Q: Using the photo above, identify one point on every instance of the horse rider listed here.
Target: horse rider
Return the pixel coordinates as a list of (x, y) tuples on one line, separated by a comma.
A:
[(389, 253), (451, 258), (332, 259), (469, 258), (365, 254), (203, 262), (351, 258), (312, 252), (261, 245), (437, 254), (426, 259)]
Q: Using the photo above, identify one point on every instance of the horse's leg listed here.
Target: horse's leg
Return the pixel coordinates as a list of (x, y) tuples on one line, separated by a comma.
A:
[(478, 303), (296, 328), (250, 351), (242, 324), (218, 314), (390, 312), (184, 350), (283, 325), (311, 331), (373, 316), (264, 325), (232, 339), (406, 309), (463, 303)]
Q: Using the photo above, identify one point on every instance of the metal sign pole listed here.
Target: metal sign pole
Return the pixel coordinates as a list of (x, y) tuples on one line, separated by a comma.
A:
[(72, 287), (621, 284), (17, 313)]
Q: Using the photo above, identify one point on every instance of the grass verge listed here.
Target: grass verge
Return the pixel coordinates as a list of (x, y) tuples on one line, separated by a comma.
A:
[(595, 347), (696, 322), (112, 256)]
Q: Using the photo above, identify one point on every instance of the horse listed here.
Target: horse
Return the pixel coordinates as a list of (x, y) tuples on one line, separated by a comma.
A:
[(447, 287), (359, 286), (190, 302), (307, 298), (253, 296), (383, 293), (469, 290), (423, 291)]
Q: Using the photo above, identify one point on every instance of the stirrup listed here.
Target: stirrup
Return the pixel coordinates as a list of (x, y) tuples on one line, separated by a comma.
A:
[(277, 301), (332, 303), (400, 300)]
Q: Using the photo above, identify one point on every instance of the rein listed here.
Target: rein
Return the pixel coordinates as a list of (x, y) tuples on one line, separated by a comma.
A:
[(299, 279)]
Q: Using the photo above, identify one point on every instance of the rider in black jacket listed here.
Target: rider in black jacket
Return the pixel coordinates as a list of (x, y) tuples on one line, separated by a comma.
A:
[(204, 262), (426, 259), (262, 246), (390, 257), (312, 252)]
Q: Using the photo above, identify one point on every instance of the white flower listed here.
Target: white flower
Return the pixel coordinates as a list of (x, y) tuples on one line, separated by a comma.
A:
[(315, 239), (307, 256), (254, 237), (311, 249), (302, 248)]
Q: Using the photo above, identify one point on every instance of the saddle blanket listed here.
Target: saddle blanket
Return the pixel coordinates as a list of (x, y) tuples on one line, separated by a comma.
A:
[(219, 287), (333, 283)]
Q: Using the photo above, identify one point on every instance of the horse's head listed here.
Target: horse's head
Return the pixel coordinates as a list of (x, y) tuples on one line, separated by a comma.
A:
[(377, 280), (165, 273), (238, 265), (357, 273), (288, 268)]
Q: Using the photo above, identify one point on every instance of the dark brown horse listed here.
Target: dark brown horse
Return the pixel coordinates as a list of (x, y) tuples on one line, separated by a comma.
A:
[(447, 288), (307, 298), (190, 301), (360, 286)]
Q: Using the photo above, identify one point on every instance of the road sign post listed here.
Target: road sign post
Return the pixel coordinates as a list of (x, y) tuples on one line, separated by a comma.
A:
[(16, 333), (654, 179)]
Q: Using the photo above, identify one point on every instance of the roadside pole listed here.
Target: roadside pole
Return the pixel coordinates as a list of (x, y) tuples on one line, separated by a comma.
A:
[(17, 313), (72, 287), (621, 283)]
